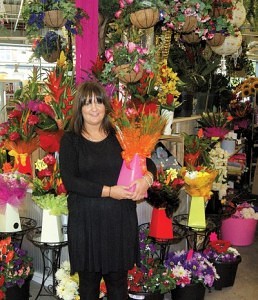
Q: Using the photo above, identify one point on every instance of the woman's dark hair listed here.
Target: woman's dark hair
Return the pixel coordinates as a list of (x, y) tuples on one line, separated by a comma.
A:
[(86, 90)]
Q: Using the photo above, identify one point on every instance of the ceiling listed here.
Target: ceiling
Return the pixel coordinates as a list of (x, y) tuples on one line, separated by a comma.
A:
[(14, 31)]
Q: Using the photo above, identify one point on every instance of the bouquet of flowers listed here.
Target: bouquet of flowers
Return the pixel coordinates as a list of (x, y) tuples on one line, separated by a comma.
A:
[(245, 210), (166, 84), (13, 188), (137, 131), (189, 267), (198, 182), (68, 285), (48, 189), (215, 124), (15, 266), (165, 190), (151, 276)]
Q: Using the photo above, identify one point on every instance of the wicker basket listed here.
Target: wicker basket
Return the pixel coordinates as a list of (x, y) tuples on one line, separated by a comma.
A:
[(51, 57), (145, 18), (126, 75), (54, 19), (189, 25)]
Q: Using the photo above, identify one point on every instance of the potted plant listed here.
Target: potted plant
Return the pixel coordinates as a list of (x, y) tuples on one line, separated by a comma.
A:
[(128, 60), (225, 259), (16, 270), (151, 278), (34, 13), (192, 272), (49, 47), (142, 14)]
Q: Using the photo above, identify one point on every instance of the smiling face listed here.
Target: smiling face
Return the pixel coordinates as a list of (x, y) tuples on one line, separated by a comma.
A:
[(93, 111)]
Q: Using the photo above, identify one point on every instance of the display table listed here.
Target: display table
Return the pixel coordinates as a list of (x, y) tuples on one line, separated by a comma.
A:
[(51, 254), (27, 224)]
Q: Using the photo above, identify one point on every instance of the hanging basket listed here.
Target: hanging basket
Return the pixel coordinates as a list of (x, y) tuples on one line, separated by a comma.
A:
[(54, 19), (145, 18), (189, 25), (191, 38), (230, 45), (217, 40), (126, 75), (218, 11), (51, 57)]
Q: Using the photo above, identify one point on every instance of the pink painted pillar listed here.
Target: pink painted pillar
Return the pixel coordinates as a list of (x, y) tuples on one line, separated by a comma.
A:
[(86, 46)]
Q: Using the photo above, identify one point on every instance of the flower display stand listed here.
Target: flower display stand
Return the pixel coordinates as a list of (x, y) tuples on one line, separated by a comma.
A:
[(240, 232), (51, 228), (194, 291), (227, 273), (19, 293), (10, 219)]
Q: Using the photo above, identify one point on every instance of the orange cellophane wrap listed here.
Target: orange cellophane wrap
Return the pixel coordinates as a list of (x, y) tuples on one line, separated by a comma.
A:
[(200, 186), (133, 141)]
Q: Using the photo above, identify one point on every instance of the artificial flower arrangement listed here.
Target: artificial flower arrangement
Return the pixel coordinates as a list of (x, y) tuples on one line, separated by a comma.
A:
[(13, 188), (15, 266), (138, 131), (164, 192), (215, 124), (220, 250), (48, 189), (34, 11), (188, 267), (68, 285), (46, 46), (151, 276), (167, 86)]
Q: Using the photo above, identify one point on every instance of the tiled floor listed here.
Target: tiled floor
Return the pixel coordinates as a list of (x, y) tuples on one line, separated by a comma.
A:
[(245, 287)]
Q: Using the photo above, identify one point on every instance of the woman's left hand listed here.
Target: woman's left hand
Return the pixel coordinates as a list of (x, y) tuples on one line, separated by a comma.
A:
[(141, 186)]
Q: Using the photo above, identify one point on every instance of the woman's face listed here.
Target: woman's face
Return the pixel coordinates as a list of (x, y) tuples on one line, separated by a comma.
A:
[(93, 111)]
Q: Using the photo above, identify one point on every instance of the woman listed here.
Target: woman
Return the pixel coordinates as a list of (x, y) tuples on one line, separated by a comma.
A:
[(102, 226)]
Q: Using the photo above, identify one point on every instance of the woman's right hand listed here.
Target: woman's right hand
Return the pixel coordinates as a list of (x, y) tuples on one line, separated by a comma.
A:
[(120, 192)]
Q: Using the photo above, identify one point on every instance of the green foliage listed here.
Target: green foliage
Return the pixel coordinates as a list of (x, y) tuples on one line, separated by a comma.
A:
[(56, 204)]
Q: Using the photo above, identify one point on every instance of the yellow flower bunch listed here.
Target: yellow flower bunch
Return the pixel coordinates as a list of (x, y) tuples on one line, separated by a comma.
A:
[(248, 87), (167, 82)]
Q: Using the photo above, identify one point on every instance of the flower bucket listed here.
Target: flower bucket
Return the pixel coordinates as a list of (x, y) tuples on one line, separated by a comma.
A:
[(197, 213), (161, 227), (10, 219), (240, 232), (54, 19), (194, 291), (145, 18), (131, 172), (227, 273), (51, 231), (169, 115)]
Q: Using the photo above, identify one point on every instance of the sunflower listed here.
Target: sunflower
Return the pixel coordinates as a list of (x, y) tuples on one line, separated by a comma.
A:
[(246, 92), (255, 84)]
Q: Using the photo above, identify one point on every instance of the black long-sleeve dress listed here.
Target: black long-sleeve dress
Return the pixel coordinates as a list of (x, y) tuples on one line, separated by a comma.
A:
[(102, 232)]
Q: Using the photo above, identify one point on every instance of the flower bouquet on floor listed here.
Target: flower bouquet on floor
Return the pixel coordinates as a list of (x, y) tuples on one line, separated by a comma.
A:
[(49, 194), (163, 195), (198, 184), (137, 132), (16, 270), (225, 259), (13, 188)]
